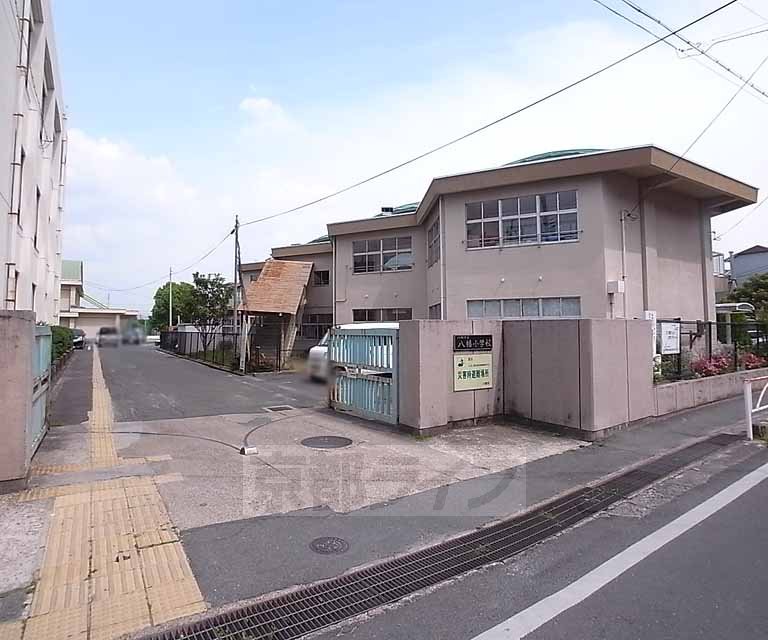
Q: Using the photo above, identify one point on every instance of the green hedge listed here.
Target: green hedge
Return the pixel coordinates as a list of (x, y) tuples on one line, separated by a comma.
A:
[(62, 341)]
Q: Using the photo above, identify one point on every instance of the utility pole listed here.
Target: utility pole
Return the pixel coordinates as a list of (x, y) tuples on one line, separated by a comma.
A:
[(170, 298), (235, 280)]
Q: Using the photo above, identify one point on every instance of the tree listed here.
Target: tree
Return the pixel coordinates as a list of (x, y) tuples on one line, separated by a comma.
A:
[(213, 300), (754, 291), (183, 304)]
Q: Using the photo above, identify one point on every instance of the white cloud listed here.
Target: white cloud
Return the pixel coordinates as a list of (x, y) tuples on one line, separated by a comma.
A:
[(130, 214)]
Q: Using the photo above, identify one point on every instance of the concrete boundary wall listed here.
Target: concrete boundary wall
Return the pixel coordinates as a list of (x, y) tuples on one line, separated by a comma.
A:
[(16, 351)]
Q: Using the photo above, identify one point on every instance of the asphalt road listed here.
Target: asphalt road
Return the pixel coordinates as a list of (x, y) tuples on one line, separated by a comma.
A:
[(710, 582), (147, 384)]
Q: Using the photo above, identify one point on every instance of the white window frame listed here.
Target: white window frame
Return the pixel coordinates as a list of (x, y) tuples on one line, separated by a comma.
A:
[(433, 243), (498, 216), (381, 251)]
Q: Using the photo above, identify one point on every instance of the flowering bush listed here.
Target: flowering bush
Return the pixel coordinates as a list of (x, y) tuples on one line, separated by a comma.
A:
[(752, 361), (715, 366)]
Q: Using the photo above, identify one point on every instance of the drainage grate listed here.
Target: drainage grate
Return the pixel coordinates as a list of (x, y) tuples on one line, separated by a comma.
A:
[(280, 407), (326, 442), (329, 545), (308, 609)]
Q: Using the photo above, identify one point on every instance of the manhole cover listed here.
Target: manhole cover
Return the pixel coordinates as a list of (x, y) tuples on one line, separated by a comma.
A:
[(329, 545), (279, 407), (326, 442)]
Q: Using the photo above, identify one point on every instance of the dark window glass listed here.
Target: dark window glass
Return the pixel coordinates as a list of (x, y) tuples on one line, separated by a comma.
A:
[(527, 204), (374, 262), (390, 261), (475, 235), (549, 228), (568, 226), (359, 315), (389, 244), (509, 207), (404, 242), (548, 202), (528, 230), (374, 245), (360, 263), (490, 234), (511, 230), (474, 211), (358, 246), (491, 209), (567, 200), (405, 314)]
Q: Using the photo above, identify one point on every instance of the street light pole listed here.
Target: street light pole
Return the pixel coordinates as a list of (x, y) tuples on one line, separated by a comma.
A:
[(235, 279)]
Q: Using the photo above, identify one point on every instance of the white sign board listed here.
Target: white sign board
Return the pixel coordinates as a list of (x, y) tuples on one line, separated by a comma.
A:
[(651, 315), (472, 371), (670, 337)]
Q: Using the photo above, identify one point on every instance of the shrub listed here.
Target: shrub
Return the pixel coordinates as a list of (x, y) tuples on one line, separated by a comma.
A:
[(752, 361), (61, 341), (704, 367)]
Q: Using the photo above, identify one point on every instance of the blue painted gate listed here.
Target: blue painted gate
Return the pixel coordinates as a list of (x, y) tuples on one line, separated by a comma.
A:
[(364, 372), (41, 372)]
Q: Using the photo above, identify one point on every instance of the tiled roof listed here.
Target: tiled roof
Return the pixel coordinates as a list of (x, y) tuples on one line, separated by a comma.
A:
[(279, 288)]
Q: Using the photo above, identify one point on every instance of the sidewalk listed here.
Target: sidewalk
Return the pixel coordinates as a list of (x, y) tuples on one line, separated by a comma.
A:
[(247, 558)]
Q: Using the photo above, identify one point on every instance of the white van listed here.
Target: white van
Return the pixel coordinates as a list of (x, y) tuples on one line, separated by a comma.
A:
[(317, 363)]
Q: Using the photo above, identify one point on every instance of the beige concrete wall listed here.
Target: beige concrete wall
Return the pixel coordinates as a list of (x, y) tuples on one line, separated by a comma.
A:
[(389, 289), (427, 398), (16, 344), (556, 269)]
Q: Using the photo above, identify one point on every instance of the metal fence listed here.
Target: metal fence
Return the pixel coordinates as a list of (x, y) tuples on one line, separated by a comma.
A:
[(695, 349), (41, 369), (222, 348)]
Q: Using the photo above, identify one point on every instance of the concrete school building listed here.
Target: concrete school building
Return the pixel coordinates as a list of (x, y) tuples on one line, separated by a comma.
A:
[(33, 159), (566, 234)]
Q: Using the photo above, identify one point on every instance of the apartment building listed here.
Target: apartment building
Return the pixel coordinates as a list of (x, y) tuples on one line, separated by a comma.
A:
[(32, 160), (594, 234)]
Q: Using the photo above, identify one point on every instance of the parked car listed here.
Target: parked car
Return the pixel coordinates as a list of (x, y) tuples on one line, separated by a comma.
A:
[(78, 338), (317, 362), (108, 337)]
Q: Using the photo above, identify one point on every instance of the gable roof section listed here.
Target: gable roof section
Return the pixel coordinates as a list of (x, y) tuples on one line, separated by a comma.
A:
[(279, 288), (758, 248)]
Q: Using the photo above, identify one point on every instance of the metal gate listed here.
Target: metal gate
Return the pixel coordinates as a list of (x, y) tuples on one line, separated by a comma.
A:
[(363, 365), (41, 370)]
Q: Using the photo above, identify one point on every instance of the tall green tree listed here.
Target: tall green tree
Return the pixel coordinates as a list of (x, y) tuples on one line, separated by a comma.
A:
[(184, 304), (213, 303), (754, 291)]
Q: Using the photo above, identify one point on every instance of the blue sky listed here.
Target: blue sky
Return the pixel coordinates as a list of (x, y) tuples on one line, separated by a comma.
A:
[(181, 115)]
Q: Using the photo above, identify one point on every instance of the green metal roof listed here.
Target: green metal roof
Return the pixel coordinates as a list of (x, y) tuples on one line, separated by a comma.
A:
[(72, 270), (398, 210), (553, 155)]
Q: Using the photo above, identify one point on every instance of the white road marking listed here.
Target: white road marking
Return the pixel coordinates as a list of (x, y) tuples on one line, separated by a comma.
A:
[(535, 616)]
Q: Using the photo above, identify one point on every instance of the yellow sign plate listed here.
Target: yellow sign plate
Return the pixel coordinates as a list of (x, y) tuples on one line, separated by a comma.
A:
[(472, 371)]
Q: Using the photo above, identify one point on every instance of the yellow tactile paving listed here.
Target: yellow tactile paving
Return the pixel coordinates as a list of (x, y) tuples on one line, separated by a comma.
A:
[(113, 562), (11, 630)]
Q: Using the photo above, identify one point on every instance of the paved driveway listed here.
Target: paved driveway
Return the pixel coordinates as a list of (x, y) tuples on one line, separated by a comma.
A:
[(147, 384)]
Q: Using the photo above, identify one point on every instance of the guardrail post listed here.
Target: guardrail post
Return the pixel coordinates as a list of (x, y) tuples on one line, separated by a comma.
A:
[(748, 407)]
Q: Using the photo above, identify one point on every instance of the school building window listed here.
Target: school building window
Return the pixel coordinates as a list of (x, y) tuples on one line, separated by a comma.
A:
[(550, 307), (321, 278), (314, 325), (385, 254), (381, 315), (532, 219), (433, 243)]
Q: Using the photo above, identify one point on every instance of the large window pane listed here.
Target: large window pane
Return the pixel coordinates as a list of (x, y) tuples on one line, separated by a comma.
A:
[(374, 262), (359, 315), (572, 307), (569, 226), (360, 263), (509, 207), (548, 202), (511, 308), (358, 246), (475, 308), (549, 228), (491, 209), (404, 260), (511, 230), (389, 315), (389, 261), (567, 200), (527, 204), (374, 245), (528, 231), (389, 244), (530, 307), (475, 234), (491, 234), (474, 211), (404, 242), (405, 314), (550, 307), (492, 309)]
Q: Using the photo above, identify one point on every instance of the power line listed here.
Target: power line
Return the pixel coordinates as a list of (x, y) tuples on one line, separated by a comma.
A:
[(489, 124), (703, 131), (703, 52), (721, 40), (742, 219)]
